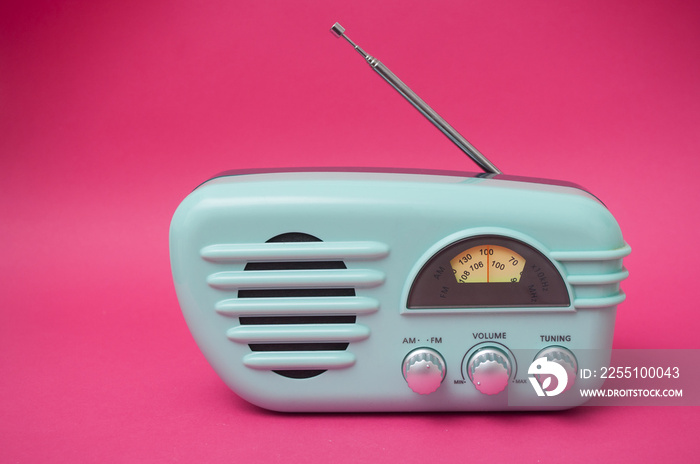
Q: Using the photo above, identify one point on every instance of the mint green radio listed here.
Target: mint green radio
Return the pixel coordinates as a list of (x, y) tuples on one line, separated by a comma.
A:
[(389, 290)]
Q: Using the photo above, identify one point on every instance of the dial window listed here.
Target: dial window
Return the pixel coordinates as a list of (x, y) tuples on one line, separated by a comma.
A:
[(488, 271)]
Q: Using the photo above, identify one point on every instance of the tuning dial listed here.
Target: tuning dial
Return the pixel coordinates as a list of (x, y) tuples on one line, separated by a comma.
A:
[(489, 370), (564, 358), (424, 370)]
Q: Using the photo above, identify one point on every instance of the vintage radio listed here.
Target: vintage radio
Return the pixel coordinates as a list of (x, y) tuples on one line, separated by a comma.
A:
[(397, 290)]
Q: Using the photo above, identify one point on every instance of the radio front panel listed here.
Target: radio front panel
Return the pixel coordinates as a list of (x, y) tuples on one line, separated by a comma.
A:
[(361, 291)]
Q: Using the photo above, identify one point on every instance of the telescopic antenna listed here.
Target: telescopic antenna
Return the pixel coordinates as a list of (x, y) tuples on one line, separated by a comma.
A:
[(420, 105)]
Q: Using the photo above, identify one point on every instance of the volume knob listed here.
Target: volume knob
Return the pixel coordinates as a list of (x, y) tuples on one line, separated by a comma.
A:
[(424, 370), (489, 370)]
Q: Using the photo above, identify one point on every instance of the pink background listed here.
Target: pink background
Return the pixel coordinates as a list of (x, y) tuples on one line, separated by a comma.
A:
[(112, 112)]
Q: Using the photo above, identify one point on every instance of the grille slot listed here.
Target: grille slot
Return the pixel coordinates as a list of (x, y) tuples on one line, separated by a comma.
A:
[(296, 293), (266, 320), (282, 266), (296, 301), (298, 346)]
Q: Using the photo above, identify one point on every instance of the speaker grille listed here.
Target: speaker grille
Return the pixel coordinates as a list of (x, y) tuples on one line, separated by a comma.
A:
[(296, 301)]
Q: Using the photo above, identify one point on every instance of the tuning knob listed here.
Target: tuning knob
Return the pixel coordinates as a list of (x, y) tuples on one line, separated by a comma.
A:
[(564, 358), (489, 370), (424, 370)]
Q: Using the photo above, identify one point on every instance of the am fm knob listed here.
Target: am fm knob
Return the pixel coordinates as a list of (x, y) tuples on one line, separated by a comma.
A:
[(424, 370)]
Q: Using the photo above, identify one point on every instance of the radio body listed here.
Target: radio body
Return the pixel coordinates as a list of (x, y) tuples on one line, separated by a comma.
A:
[(396, 291), (388, 290)]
